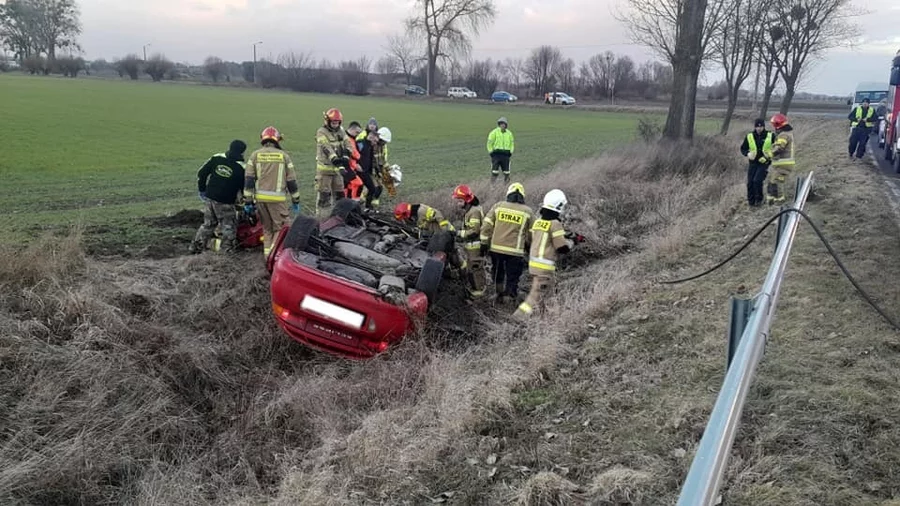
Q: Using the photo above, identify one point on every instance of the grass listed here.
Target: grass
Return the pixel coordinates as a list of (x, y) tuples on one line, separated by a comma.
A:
[(113, 154)]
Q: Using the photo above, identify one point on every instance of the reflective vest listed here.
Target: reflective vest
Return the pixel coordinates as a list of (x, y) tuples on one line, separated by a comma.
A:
[(547, 236), (783, 152), (506, 227), (766, 149), (501, 141), (867, 122)]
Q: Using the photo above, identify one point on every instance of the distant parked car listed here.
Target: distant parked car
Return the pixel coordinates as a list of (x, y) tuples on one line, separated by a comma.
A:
[(461, 92), (503, 96), (414, 90), (558, 97)]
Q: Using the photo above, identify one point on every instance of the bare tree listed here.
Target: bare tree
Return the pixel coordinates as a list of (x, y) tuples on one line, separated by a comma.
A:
[(565, 75), (739, 38), (686, 63), (404, 51), (446, 26), (387, 67), (801, 31), (657, 24), (355, 76), (59, 25), (765, 60), (542, 67), (39, 27), (623, 75), (214, 67), (129, 65), (514, 68), (482, 78), (157, 66)]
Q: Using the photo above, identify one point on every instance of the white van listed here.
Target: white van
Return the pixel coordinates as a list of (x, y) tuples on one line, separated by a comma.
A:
[(461, 92)]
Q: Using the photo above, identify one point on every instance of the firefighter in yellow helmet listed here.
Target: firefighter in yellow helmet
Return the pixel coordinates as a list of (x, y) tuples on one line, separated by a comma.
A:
[(333, 150), (269, 181), (504, 233), (782, 160), (548, 242), (470, 236)]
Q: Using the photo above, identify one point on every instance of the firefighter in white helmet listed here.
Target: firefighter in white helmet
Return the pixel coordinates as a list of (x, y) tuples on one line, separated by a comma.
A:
[(548, 242)]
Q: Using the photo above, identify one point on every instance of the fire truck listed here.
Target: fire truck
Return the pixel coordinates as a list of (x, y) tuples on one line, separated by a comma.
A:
[(892, 118)]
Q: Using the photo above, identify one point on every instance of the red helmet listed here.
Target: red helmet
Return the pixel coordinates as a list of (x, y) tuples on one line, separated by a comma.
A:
[(464, 193), (778, 120), (334, 115), (270, 133), (403, 211)]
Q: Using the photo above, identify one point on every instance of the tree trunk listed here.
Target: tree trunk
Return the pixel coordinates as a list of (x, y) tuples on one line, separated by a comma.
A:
[(729, 111), (790, 87), (686, 65), (429, 74)]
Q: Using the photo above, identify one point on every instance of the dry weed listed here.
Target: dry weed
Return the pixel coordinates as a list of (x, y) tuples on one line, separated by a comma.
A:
[(619, 485), (547, 489)]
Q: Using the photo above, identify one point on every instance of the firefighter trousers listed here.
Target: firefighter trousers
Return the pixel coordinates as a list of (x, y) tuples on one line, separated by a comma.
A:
[(329, 189), (273, 216), (542, 285), (223, 216), (776, 184), (506, 270), (475, 277)]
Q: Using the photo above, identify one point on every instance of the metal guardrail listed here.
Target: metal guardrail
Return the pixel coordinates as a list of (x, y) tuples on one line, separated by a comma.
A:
[(748, 333)]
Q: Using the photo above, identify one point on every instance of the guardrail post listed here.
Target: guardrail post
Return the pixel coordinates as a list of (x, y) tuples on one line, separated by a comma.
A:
[(737, 322)]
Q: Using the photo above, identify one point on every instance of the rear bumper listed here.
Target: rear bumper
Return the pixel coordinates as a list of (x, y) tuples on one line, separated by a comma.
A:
[(382, 323)]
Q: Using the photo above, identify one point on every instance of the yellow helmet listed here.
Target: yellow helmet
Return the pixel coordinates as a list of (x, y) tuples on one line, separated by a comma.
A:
[(515, 187)]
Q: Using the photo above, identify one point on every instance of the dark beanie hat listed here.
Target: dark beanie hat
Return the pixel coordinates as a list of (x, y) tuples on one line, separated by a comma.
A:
[(759, 123), (236, 149)]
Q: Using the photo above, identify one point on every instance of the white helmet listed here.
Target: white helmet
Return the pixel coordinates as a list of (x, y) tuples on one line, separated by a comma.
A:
[(384, 133), (396, 174), (555, 200)]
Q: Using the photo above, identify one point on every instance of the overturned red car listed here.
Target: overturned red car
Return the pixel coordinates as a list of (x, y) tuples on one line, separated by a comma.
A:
[(356, 283)]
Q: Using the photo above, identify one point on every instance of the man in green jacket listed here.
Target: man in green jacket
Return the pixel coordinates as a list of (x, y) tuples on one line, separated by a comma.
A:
[(500, 145)]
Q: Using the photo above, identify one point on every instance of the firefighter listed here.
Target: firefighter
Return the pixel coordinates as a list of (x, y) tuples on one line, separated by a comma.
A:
[(381, 161), (782, 159), (426, 218), (757, 147), (270, 180), (504, 233), (500, 145), (219, 183), (470, 236), (368, 161), (548, 242), (352, 181), (333, 151), (862, 119)]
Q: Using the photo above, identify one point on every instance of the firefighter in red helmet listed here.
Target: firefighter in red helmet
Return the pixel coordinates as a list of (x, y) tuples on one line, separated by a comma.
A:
[(782, 160), (333, 151), (470, 235), (270, 180)]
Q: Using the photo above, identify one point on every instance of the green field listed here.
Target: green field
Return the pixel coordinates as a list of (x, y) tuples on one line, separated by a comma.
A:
[(115, 155)]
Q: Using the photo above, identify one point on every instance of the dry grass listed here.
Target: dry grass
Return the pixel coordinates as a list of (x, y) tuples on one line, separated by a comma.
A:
[(160, 382)]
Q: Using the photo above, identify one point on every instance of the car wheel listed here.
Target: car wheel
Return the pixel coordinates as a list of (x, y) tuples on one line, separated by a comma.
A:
[(441, 242), (298, 236), (430, 278), (344, 208)]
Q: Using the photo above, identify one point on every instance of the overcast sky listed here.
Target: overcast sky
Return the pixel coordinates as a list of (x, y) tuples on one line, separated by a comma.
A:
[(190, 30)]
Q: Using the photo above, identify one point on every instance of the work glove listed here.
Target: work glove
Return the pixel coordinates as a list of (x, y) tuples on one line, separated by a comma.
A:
[(751, 155), (202, 196), (342, 161), (249, 209), (485, 249), (295, 208)]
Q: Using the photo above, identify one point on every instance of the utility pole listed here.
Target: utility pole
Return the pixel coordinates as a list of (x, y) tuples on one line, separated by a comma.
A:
[(254, 60), (145, 51)]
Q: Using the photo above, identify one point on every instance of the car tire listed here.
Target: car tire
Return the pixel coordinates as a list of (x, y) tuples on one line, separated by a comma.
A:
[(441, 242), (301, 230), (429, 279), (344, 208)]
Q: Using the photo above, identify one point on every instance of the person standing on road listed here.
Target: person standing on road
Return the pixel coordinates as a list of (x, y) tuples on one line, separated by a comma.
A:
[(504, 233), (500, 145), (548, 242), (470, 236), (782, 159), (333, 152), (270, 180), (220, 182), (757, 147), (861, 120)]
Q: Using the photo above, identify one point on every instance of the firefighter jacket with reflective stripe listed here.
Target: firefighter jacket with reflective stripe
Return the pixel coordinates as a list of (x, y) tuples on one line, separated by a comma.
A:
[(331, 145), (783, 150), (380, 157), (470, 233), (547, 236), (506, 228), (270, 176), (430, 220), (500, 142), (221, 178), (862, 115), (751, 145)]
